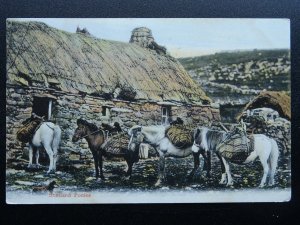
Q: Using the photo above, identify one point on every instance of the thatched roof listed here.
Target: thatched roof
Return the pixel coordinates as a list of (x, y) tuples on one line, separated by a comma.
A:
[(278, 101), (75, 62)]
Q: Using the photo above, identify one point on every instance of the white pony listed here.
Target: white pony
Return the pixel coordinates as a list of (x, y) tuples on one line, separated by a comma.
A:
[(47, 136), (155, 136), (265, 149)]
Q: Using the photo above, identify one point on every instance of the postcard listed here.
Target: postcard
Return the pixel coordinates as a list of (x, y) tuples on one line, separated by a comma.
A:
[(177, 110)]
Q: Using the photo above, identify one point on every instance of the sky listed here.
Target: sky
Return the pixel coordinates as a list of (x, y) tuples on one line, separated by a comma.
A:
[(185, 37)]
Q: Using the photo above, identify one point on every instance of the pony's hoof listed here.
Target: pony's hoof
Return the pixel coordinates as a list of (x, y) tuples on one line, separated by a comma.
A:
[(29, 166), (189, 178), (229, 184), (38, 166), (50, 172), (127, 178), (271, 183), (222, 182), (158, 183), (99, 180)]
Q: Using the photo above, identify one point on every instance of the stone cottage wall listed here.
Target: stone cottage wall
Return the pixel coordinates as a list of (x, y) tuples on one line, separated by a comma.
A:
[(67, 108)]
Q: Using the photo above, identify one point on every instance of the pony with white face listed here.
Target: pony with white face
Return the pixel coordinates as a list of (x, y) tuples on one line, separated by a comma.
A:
[(47, 136), (265, 148), (155, 136)]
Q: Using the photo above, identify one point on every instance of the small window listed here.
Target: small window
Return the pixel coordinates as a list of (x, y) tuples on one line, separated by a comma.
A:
[(105, 111), (42, 107), (165, 114), (104, 108)]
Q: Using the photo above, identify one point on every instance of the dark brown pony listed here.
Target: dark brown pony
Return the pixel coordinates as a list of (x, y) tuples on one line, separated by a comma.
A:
[(96, 138)]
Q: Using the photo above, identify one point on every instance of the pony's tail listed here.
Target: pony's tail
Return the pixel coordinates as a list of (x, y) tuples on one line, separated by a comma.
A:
[(273, 159), (56, 137)]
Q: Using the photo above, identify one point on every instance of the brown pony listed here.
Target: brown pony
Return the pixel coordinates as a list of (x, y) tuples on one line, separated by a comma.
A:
[(96, 139)]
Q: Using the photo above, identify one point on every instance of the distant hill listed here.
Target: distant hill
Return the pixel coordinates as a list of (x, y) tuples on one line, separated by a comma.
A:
[(234, 57), (238, 76)]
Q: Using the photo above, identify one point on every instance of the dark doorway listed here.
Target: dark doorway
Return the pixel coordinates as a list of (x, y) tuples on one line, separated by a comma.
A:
[(229, 112), (41, 106)]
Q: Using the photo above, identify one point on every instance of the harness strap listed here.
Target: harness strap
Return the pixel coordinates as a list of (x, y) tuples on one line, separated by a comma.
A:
[(93, 133), (36, 129), (50, 127)]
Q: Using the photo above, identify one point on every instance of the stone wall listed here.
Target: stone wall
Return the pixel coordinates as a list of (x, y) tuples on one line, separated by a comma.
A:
[(67, 108)]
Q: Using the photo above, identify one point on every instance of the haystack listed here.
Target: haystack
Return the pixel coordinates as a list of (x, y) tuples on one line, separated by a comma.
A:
[(278, 101)]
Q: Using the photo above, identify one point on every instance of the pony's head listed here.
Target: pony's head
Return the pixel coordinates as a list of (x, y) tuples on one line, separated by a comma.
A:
[(133, 130), (83, 127), (135, 141), (200, 143), (136, 137)]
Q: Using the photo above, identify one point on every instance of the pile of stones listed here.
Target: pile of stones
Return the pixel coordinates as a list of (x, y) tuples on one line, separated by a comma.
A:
[(279, 130)]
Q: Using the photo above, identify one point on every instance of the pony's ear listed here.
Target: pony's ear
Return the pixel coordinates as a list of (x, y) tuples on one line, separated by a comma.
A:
[(80, 121), (136, 129), (196, 133)]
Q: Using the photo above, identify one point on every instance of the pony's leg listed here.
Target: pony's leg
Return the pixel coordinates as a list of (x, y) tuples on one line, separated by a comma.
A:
[(130, 158), (95, 156), (273, 160), (263, 150), (161, 169), (266, 171), (264, 162), (207, 163), (50, 154), (100, 159), (30, 156), (129, 165), (196, 164), (223, 178), (37, 156), (54, 158), (229, 178)]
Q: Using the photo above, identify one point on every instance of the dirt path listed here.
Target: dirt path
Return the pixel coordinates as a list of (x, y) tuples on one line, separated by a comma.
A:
[(80, 177)]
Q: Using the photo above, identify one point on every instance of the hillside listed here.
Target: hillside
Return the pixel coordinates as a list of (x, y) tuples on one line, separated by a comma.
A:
[(238, 76)]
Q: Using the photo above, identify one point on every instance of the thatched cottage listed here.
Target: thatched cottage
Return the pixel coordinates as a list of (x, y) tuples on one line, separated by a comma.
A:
[(64, 76), (270, 113)]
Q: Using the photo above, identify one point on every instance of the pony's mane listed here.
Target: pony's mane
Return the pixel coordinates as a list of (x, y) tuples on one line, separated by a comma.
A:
[(209, 130), (91, 126)]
